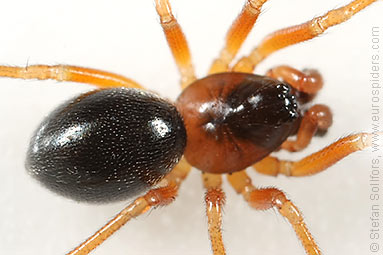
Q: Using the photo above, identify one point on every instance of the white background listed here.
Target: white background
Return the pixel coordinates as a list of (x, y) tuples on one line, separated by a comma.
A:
[(125, 37)]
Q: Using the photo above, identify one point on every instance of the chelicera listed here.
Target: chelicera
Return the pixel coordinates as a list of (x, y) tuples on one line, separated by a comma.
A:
[(285, 96)]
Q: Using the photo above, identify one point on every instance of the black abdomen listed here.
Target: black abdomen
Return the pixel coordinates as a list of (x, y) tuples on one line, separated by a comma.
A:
[(107, 145)]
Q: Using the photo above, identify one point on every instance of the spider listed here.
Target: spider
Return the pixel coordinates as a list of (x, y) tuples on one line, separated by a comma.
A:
[(305, 153)]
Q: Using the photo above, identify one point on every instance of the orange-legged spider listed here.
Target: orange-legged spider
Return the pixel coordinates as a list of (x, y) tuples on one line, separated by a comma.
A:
[(341, 133)]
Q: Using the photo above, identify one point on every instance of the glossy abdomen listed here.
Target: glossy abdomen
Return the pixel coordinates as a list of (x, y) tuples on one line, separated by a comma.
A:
[(107, 145), (233, 120)]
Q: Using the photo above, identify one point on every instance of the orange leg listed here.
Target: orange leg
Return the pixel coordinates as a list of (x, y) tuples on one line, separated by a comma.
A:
[(94, 77), (317, 117), (299, 33), (176, 41), (267, 198), (318, 161), (215, 199), (156, 197), (237, 34), (309, 80)]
